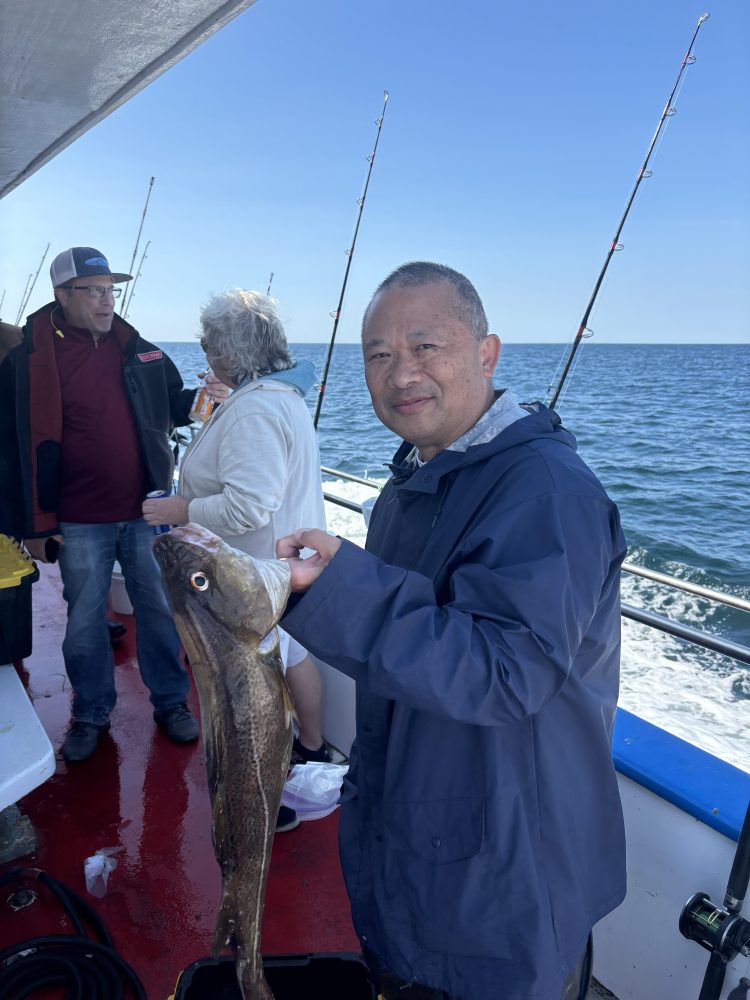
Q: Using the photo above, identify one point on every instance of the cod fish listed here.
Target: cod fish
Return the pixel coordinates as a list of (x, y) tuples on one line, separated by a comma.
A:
[(225, 603)]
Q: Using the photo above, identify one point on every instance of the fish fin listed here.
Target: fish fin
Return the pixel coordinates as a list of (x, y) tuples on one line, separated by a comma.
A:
[(290, 712), (270, 647)]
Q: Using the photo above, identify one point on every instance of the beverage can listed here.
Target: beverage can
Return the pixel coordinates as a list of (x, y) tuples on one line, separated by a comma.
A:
[(203, 405), (159, 529)]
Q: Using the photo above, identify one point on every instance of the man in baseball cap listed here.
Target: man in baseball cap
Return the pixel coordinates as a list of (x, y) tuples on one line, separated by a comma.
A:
[(87, 406)]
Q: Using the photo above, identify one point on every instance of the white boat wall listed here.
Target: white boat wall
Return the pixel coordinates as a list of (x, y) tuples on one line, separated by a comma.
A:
[(684, 810)]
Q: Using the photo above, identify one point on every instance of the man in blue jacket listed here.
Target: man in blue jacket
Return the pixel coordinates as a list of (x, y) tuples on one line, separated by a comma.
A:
[(481, 829)]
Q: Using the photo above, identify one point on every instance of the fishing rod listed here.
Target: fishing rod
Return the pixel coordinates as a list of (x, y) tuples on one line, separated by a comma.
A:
[(350, 254), (135, 280), (2, 299), (270, 282), (27, 294), (643, 173), (137, 241), (23, 299)]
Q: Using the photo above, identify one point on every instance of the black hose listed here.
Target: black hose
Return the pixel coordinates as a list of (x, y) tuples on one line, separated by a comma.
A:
[(89, 969)]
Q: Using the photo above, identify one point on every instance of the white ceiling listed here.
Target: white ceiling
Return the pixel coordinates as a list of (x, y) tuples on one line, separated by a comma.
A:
[(66, 64)]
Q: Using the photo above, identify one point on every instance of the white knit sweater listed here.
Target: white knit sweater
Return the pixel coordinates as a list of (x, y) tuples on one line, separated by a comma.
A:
[(252, 473)]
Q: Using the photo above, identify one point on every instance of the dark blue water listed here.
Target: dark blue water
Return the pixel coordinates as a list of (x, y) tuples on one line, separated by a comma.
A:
[(666, 429)]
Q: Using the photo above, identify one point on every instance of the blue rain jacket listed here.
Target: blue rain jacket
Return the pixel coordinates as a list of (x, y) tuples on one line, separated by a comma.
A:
[(481, 831)]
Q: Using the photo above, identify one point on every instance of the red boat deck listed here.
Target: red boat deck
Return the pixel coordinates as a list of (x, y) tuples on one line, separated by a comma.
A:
[(148, 797)]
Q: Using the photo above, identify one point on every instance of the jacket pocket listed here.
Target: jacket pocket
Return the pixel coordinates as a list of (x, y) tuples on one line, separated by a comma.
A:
[(438, 869), (158, 457)]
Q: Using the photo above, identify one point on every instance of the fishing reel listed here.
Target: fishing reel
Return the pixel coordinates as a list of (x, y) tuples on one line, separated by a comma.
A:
[(722, 930), (714, 927)]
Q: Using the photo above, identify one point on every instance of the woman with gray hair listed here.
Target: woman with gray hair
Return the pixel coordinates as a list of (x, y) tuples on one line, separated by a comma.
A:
[(252, 472)]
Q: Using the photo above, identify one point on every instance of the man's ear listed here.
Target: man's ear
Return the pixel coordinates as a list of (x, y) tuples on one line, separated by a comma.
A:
[(489, 351)]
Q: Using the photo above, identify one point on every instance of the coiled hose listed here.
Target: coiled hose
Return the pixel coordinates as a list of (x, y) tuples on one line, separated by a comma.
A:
[(89, 967)]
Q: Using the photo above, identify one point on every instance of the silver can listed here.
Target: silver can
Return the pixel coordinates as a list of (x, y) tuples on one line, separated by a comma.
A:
[(159, 529)]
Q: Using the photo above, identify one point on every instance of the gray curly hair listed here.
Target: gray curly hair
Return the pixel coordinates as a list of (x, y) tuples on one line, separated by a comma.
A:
[(245, 329)]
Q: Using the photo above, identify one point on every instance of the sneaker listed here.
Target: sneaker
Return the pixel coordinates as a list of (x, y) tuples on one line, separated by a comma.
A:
[(116, 630), (301, 755), (82, 740), (178, 723), (287, 820)]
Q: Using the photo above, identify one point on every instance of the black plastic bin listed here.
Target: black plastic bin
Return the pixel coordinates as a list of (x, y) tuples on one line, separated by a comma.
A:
[(15, 619), (339, 976)]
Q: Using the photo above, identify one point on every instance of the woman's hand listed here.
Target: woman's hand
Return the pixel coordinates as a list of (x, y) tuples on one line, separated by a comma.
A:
[(306, 571), (166, 510), (216, 389)]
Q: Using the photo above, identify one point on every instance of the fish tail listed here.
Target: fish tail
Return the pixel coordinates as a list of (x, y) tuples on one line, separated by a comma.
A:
[(253, 985)]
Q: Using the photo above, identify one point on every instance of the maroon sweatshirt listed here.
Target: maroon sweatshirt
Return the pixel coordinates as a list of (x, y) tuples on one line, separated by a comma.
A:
[(102, 477)]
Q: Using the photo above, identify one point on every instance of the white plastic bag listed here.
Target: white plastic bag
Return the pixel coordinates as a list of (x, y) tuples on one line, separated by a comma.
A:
[(313, 789), (97, 868)]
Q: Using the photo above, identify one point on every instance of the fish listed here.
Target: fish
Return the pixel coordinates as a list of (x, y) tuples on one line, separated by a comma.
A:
[(225, 605)]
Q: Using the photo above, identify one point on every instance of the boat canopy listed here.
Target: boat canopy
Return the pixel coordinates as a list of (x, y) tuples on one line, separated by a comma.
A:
[(67, 64)]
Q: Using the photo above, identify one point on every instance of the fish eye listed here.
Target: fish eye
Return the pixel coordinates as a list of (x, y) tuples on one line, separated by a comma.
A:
[(199, 581)]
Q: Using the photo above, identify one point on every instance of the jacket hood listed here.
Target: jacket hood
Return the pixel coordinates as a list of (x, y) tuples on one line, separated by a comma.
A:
[(539, 423), (300, 376)]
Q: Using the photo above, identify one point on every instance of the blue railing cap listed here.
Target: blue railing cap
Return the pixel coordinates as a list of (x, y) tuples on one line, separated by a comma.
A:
[(706, 787)]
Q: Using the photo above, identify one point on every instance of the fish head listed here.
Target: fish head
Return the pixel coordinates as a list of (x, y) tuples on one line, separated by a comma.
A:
[(215, 590)]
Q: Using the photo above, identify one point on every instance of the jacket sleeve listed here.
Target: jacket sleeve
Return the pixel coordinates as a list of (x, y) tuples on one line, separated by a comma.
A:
[(11, 494), (520, 603), (180, 398), (253, 459)]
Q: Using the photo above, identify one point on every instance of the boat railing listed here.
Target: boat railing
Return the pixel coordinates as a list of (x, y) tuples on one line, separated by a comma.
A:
[(640, 615), (353, 479)]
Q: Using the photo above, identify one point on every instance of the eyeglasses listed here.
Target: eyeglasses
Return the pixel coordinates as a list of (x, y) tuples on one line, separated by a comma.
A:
[(210, 358), (97, 291)]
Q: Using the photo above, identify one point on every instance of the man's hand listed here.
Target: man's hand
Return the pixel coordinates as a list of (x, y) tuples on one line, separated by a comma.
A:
[(37, 547), (306, 571), (165, 510)]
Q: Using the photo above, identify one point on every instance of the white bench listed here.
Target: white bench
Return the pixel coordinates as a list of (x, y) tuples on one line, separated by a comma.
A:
[(26, 755)]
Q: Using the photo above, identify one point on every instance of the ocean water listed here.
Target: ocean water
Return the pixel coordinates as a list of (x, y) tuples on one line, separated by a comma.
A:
[(666, 429)]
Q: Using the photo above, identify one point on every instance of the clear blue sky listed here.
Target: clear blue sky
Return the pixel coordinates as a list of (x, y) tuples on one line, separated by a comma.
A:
[(512, 139)]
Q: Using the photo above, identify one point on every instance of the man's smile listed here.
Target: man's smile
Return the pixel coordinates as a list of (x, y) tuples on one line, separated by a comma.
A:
[(413, 405)]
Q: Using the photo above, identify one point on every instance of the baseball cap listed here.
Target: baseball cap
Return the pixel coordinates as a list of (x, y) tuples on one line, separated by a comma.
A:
[(81, 262)]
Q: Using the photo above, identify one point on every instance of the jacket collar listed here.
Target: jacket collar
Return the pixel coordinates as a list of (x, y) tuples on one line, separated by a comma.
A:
[(42, 325)]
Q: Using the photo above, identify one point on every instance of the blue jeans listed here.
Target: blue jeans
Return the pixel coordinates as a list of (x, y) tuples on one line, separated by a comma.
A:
[(86, 561)]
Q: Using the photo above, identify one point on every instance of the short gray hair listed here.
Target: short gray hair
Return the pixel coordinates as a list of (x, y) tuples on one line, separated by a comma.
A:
[(245, 329), (468, 305)]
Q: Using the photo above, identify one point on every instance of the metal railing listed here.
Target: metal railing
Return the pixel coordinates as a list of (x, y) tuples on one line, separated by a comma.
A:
[(690, 588), (353, 479), (640, 615)]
